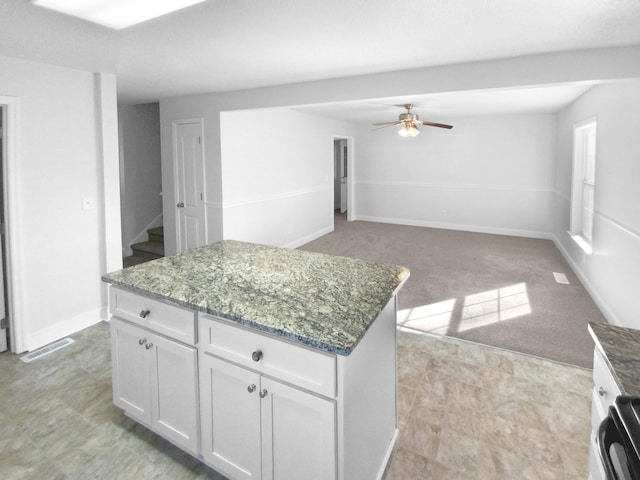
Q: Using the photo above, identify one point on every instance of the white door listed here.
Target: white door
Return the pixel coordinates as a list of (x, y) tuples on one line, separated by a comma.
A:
[(230, 410), (298, 434), (189, 175), (175, 392), (131, 374), (343, 176)]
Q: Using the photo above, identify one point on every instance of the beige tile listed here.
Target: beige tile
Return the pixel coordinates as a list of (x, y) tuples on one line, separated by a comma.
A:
[(465, 411)]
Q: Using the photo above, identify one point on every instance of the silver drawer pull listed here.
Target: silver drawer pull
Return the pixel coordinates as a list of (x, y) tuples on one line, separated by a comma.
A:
[(257, 355), (263, 393), (251, 388), (142, 341), (144, 313), (148, 346), (602, 392)]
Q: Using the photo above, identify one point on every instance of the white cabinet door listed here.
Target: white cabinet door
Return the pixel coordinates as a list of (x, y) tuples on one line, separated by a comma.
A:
[(131, 370), (155, 380), (298, 434), (174, 388), (230, 410)]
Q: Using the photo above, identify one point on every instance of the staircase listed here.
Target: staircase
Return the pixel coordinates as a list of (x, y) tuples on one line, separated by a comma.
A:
[(147, 251)]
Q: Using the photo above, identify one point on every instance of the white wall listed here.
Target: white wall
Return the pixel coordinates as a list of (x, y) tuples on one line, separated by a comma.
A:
[(141, 179), (611, 63), (612, 272), (488, 173), (277, 174), (65, 150)]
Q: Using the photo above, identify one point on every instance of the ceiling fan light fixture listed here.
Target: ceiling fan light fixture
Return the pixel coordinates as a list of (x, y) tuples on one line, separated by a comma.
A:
[(409, 130)]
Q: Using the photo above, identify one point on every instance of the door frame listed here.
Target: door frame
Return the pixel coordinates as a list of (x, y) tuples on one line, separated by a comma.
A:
[(11, 145), (350, 171)]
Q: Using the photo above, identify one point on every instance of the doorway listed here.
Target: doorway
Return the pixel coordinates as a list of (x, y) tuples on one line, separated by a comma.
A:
[(341, 169)]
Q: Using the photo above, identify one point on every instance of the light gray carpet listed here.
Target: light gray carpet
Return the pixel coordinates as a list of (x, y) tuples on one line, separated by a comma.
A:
[(492, 289)]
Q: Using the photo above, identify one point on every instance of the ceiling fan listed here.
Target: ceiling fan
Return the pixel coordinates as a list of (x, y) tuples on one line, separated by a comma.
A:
[(410, 122)]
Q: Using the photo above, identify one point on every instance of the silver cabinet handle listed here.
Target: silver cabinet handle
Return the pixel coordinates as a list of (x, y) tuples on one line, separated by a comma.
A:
[(257, 355), (144, 313), (148, 346), (142, 341), (263, 393), (180, 205), (251, 388), (602, 392)]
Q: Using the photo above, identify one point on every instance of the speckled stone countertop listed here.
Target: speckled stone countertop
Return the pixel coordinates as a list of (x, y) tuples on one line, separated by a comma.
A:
[(621, 349), (319, 300)]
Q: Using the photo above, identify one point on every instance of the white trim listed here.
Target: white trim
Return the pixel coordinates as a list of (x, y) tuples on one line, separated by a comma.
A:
[(453, 226), (582, 243), (309, 238), (601, 304), (269, 198), (12, 196), (452, 186), (64, 328), (351, 163)]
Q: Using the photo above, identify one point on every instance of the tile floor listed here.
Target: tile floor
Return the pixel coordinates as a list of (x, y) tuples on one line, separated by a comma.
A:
[(466, 411)]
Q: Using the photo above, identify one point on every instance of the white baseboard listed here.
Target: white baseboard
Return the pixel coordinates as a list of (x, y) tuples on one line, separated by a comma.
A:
[(454, 226), (62, 329), (387, 454), (308, 238), (602, 305)]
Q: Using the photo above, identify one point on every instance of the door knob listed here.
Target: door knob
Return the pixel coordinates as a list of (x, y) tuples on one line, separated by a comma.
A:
[(144, 313), (148, 346), (263, 393), (251, 388), (142, 341), (181, 205)]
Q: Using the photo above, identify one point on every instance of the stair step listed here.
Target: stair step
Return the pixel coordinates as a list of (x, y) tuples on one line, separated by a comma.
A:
[(156, 234), (151, 250), (134, 260)]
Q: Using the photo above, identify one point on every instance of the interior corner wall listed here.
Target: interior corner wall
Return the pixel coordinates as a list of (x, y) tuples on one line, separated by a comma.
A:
[(489, 173), (141, 183), (277, 171), (59, 168), (612, 272)]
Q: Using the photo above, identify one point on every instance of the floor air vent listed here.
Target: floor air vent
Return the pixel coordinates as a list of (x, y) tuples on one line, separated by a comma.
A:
[(561, 278), (41, 352)]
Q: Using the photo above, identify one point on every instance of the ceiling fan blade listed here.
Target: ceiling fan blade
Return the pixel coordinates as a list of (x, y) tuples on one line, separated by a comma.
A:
[(432, 124), (383, 126), (387, 123)]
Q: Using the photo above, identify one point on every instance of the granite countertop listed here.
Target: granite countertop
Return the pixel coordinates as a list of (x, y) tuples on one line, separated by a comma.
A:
[(319, 300), (621, 349)]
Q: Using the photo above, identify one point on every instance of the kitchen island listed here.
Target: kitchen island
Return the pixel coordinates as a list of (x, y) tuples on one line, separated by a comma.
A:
[(262, 362)]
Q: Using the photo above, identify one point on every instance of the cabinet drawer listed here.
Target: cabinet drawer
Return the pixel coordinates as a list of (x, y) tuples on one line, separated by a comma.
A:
[(605, 389), (174, 322), (309, 369)]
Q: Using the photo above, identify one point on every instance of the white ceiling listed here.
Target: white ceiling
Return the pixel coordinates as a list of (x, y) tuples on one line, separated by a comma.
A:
[(222, 45), (443, 106)]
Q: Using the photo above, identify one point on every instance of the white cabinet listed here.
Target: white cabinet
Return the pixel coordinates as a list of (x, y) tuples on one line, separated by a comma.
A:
[(254, 405), (155, 378), (605, 391), (256, 427)]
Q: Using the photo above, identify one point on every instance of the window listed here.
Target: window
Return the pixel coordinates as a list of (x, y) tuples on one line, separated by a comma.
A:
[(583, 193)]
